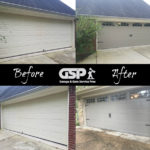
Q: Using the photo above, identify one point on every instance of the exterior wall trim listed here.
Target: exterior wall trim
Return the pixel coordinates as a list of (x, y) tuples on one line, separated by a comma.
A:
[(36, 13), (118, 19)]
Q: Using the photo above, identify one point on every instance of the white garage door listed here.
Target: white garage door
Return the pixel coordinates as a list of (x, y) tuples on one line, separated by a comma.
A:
[(123, 36), (45, 118), (120, 113), (24, 34)]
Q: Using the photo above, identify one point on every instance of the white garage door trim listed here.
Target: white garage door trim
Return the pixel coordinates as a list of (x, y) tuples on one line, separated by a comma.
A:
[(129, 116), (66, 122), (21, 35)]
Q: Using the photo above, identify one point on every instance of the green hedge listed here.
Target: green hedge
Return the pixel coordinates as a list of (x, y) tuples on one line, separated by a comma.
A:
[(86, 29)]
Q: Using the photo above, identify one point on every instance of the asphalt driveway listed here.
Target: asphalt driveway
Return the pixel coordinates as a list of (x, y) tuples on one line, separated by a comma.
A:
[(124, 55), (11, 141), (94, 140), (55, 57)]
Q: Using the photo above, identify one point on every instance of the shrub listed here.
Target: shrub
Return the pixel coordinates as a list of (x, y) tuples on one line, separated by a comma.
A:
[(86, 29)]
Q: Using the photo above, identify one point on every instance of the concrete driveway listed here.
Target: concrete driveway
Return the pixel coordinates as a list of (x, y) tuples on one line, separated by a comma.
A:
[(94, 140), (125, 55), (11, 141), (57, 57)]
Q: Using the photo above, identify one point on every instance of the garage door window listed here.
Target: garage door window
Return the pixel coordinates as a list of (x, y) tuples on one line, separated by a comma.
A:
[(119, 96), (102, 99), (137, 24), (147, 25), (91, 100), (123, 24), (140, 94), (108, 24)]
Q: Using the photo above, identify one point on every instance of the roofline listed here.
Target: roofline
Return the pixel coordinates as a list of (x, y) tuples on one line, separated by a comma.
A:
[(23, 93), (42, 91), (115, 18), (35, 9)]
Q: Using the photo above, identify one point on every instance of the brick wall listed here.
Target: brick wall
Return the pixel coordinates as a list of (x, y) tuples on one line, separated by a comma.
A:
[(72, 120)]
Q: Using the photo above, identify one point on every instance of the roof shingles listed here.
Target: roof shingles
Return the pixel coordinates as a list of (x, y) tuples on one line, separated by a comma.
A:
[(53, 6), (7, 92), (116, 8)]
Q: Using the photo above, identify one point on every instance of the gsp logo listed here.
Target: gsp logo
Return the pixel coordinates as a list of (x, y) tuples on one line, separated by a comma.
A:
[(72, 73)]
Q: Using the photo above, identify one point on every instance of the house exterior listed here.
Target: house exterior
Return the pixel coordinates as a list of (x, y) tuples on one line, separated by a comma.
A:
[(33, 27), (44, 113), (125, 109), (124, 23)]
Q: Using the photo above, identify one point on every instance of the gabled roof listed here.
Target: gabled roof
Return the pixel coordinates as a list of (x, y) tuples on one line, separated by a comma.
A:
[(114, 8), (9, 92), (51, 6)]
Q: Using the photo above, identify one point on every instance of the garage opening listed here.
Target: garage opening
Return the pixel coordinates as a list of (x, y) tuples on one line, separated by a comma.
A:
[(20, 35), (125, 111), (122, 34)]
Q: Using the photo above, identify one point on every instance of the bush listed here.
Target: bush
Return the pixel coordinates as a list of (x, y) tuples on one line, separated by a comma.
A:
[(86, 29)]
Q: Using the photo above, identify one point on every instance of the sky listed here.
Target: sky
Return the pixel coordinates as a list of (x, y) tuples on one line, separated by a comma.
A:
[(147, 1), (71, 3)]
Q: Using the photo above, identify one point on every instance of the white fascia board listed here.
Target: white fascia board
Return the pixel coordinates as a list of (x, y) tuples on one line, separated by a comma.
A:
[(89, 89), (36, 94), (118, 19), (35, 13)]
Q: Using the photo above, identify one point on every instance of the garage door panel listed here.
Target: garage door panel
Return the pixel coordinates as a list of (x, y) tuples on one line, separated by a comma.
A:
[(121, 126), (44, 118), (130, 116), (24, 34), (115, 36)]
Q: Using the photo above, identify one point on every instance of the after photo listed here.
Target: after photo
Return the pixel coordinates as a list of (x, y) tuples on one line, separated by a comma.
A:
[(113, 31), (113, 118)]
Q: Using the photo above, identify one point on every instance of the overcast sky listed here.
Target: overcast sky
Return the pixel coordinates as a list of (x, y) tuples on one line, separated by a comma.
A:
[(70, 3), (148, 1)]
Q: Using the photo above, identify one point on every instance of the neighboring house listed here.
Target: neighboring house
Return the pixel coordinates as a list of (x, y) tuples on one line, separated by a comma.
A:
[(35, 26), (124, 109), (124, 23), (39, 112)]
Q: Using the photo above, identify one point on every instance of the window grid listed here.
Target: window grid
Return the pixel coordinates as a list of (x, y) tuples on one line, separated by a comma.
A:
[(91, 100), (137, 24), (119, 96), (108, 24), (102, 99), (140, 93), (147, 25), (123, 24)]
